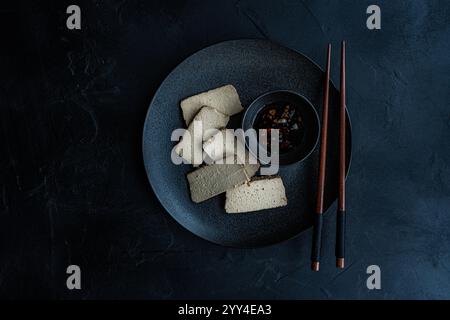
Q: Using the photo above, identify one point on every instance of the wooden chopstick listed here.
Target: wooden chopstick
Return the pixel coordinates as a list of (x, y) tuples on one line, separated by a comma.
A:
[(317, 232), (340, 221)]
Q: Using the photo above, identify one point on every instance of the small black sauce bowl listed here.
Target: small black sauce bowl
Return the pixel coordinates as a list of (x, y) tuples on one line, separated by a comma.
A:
[(310, 121)]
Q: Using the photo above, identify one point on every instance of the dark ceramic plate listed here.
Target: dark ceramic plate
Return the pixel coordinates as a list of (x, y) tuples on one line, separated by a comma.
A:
[(253, 67)]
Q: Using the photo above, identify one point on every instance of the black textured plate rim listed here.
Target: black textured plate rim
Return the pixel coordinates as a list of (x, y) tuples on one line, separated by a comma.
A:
[(146, 123)]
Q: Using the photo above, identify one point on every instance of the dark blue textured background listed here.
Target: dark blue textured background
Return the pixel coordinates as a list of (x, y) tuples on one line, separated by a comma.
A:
[(73, 189)]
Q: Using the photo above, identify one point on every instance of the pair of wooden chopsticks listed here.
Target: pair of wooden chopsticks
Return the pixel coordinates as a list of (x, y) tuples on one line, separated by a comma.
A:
[(340, 224)]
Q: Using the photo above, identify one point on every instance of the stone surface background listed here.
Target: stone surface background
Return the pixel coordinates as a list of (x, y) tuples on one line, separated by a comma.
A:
[(73, 189)]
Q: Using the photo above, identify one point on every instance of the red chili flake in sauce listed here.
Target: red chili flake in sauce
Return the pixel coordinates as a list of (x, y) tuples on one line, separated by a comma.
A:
[(284, 117)]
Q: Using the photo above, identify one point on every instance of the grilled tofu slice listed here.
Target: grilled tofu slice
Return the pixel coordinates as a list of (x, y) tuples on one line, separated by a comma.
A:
[(260, 193), (209, 181), (224, 145), (190, 146), (224, 99)]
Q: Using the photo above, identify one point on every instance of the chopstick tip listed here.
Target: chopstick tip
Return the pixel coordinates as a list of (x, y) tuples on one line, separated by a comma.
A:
[(315, 266), (340, 263)]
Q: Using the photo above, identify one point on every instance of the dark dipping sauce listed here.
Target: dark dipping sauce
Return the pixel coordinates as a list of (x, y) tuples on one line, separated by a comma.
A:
[(285, 117)]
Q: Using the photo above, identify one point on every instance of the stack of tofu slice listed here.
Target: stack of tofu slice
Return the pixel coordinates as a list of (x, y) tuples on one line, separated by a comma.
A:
[(232, 175)]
